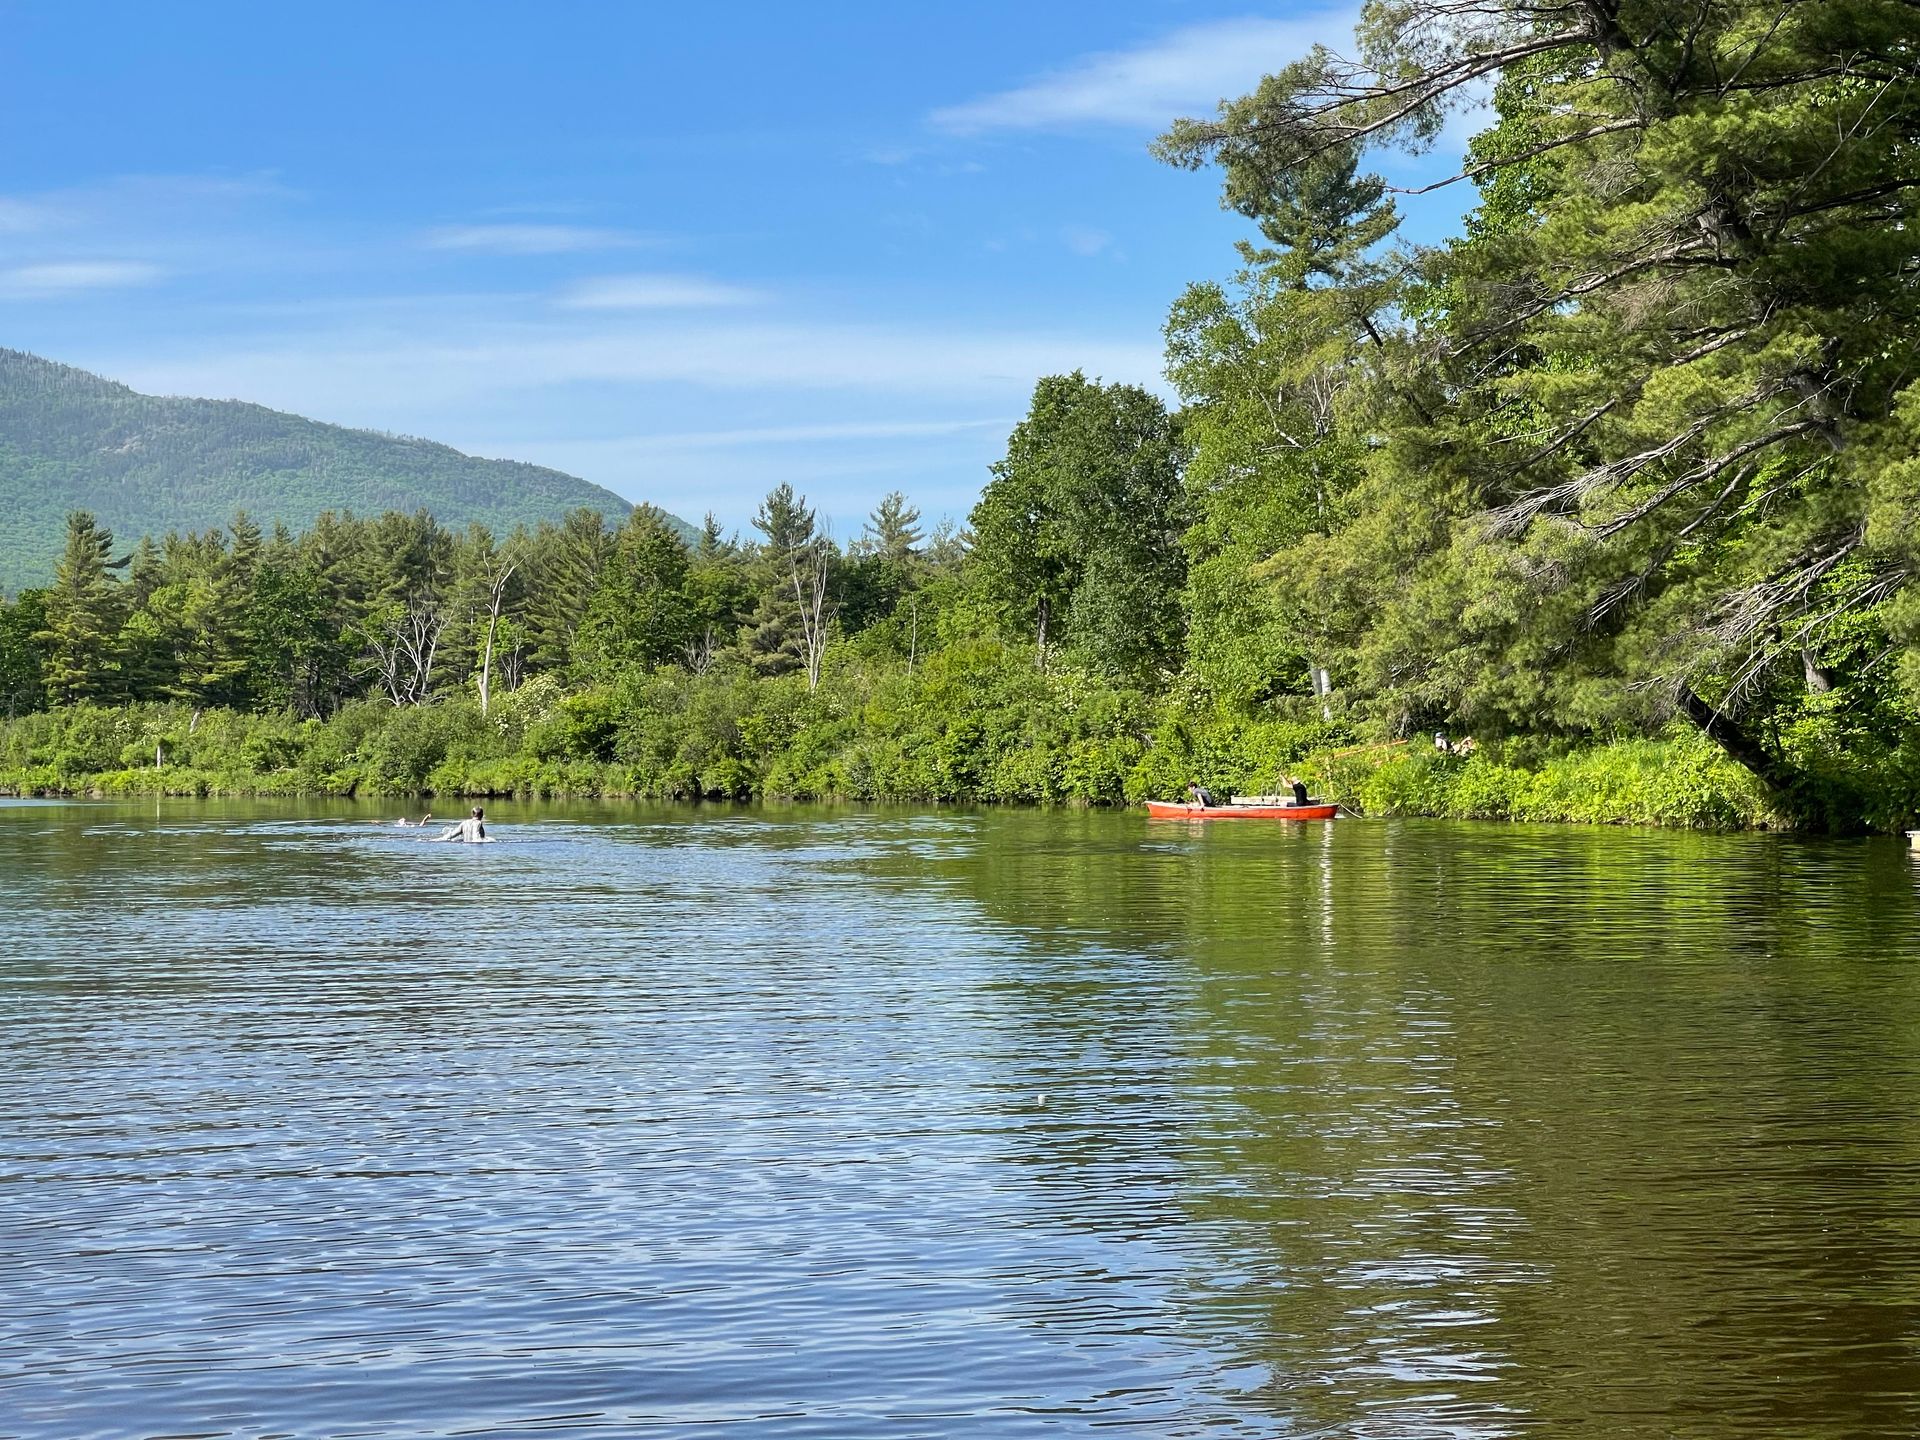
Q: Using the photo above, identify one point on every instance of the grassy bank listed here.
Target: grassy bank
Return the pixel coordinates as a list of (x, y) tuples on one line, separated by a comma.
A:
[(966, 728)]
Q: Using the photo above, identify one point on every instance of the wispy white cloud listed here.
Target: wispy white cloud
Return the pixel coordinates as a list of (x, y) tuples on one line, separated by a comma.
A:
[(1085, 240), (17, 217), (529, 239), (645, 401), (923, 159), (136, 203), (1186, 72), (756, 437), (654, 292), (200, 189), (378, 374), (73, 277), (817, 449)]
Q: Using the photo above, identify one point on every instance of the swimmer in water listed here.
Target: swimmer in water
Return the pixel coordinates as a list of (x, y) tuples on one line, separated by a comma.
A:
[(472, 829)]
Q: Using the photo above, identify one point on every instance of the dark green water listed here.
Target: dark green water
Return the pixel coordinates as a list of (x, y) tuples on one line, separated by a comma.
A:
[(840, 1124)]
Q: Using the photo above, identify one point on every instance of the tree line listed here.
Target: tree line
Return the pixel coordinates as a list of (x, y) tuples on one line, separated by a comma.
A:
[(1074, 547), (1635, 455)]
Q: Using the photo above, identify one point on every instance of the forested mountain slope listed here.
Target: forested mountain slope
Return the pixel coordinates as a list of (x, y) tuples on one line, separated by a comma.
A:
[(146, 464)]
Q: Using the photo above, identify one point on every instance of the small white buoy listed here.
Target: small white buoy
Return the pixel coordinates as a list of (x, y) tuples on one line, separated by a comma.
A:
[(1041, 1101)]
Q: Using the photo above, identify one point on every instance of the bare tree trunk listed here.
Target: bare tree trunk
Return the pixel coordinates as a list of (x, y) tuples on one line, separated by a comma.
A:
[(699, 653), (1818, 681), (404, 651), (486, 662), (496, 592), (426, 622), (386, 659), (1040, 639), (810, 593)]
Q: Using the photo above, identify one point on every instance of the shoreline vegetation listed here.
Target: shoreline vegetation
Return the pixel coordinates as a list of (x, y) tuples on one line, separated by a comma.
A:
[(764, 742), (1622, 481)]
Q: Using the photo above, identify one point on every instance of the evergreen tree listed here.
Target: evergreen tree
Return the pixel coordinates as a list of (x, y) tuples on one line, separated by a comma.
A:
[(718, 593), (882, 568), (563, 564), (22, 658), (243, 553), (893, 529), (774, 637), (1641, 460), (639, 616), (298, 657), (786, 521), (83, 617)]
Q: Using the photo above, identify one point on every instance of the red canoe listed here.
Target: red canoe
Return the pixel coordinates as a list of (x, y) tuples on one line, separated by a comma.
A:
[(1168, 810)]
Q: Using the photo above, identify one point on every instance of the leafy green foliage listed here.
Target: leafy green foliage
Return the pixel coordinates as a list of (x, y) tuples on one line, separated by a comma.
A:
[(1076, 537), (1637, 446), (1622, 483), (641, 613), (22, 656)]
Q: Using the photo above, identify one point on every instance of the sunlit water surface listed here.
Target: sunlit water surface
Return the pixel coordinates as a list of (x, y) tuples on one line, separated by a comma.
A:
[(890, 1124)]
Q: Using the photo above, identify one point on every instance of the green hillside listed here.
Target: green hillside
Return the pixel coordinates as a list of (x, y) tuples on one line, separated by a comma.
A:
[(145, 465)]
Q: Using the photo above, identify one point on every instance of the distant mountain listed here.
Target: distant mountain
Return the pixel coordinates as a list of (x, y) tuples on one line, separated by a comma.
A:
[(145, 465)]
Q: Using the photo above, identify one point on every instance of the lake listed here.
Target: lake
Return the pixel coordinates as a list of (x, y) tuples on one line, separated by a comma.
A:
[(901, 1123)]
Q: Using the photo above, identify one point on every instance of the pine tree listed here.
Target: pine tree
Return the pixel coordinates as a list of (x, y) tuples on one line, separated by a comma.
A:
[(774, 637), (1644, 448), (563, 564), (893, 529), (22, 656), (639, 616), (717, 595), (83, 617)]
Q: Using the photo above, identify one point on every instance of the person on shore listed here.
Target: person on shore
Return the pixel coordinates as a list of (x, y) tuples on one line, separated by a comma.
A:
[(472, 829), (1200, 795)]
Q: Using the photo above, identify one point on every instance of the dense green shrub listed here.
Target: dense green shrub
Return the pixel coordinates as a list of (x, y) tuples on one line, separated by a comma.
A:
[(975, 722), (1682, 780), (580, 727)]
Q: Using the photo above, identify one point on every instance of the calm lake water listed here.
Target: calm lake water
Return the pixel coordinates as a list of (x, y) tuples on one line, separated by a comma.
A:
[(906, 1123)]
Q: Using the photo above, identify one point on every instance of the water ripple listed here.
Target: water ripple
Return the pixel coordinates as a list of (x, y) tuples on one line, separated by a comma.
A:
[(890, 1124)]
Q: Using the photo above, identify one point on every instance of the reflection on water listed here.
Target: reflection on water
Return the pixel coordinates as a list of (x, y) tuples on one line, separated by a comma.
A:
[(819, 1123)]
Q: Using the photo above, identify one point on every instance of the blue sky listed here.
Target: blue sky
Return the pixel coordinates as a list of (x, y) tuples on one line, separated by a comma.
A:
[(685, 252)]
